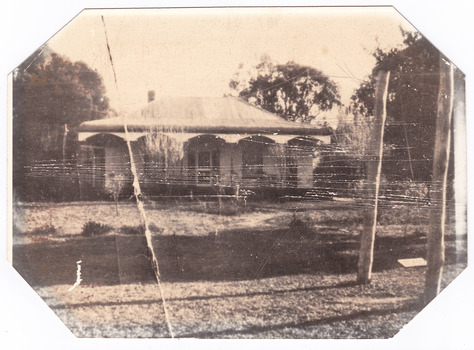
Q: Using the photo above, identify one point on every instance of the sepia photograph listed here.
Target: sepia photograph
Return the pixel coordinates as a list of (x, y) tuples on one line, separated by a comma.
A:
[(237, 173)]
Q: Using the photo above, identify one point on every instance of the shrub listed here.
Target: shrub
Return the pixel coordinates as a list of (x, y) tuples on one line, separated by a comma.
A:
[(92, 229), (139, 230), (44, 231), (114, 186), (404, 191), (301, 223), (41, 231), (225, 208), (154, 228), (132, 230)]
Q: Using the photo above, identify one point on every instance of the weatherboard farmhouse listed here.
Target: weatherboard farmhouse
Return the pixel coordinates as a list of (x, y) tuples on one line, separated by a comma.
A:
[(190, 144)]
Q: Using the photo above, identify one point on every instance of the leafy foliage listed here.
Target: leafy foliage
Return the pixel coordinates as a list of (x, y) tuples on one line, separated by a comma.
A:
[(51, 89), (139, 230), (411, 107), (301, 224), (295, 92), (114, 186), (45, 230), (51, 97), (352, 137), (92, 229)]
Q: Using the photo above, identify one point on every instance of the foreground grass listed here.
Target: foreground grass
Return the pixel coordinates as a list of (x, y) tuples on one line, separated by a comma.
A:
[(271, 271), (299, 306)]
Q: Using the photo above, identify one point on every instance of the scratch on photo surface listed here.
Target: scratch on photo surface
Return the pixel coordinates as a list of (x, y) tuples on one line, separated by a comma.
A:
[(78, 276)]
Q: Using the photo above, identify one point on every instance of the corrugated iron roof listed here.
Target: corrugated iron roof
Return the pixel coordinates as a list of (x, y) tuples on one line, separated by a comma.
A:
[(203, 114)]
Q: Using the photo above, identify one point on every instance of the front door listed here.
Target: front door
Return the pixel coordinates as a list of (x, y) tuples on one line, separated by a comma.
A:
[(205, 164), (203, 167)]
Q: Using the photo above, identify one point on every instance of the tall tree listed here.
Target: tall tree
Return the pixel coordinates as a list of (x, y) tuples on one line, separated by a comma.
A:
[(411, 108), (51, 97), (295, 92)]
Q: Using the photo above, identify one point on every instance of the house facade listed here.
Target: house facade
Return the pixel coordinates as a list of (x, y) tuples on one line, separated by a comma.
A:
[(190, 144)]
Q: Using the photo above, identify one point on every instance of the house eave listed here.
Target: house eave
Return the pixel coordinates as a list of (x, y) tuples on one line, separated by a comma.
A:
[(297, 130)]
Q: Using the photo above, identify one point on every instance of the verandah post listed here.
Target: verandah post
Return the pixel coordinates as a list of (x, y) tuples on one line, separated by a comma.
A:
[(374, 168)]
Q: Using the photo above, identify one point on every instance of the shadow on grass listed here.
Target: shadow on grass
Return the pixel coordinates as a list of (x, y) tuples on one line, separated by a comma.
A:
[(232, 255), (104, 260), (249, 254), (202, 297), (363, 314)]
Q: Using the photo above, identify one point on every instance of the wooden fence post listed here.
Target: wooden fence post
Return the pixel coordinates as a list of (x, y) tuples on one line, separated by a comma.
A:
[(459, 161), (374, 168), (435, 246)]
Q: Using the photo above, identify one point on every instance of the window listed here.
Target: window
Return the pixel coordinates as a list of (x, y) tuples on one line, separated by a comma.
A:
[(93, 165), (253, 151), (252, 162)]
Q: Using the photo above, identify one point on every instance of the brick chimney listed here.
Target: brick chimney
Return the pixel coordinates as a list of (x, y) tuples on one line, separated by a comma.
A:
[(151, 95)]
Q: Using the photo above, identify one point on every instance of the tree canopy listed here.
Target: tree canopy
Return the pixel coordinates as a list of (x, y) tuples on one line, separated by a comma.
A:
[(292, 91), (51, 97), (411, 107), (51, 88)]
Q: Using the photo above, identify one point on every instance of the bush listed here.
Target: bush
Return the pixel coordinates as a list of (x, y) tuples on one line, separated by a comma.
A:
[(41, 231), (225, 208), (92, 229), (404, 191), (139, 230), (302, 223), (132, 230), (44, 231)]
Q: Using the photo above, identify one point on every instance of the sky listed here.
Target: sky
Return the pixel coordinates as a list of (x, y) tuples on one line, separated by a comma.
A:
[(195, 52)]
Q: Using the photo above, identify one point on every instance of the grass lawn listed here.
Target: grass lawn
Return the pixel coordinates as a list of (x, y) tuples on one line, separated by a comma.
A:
[(264, 270)]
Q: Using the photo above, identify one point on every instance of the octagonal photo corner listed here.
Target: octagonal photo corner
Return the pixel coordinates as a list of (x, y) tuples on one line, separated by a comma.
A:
[(227, 173)]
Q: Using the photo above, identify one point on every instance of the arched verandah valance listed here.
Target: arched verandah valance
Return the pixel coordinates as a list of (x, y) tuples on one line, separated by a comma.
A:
[(186, 136)]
